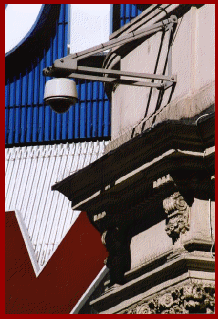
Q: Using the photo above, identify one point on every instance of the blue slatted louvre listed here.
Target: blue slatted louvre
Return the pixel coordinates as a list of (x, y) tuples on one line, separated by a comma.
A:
[(124, 13), (128, 12), (29, 121), (7, 94), (77, 113), (36, 102), (89, 109), (12, 107), (18, 113)]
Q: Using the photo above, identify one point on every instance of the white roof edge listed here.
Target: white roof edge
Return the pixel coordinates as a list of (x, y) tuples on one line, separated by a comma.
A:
[(28, 242), (89, 291)]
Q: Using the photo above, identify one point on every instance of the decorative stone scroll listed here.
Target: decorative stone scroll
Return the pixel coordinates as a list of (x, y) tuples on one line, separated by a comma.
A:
[(191, 298), (177, 211)]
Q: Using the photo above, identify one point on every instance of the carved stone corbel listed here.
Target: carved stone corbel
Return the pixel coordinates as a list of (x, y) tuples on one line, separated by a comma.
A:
[(119, 254), (178, 212)]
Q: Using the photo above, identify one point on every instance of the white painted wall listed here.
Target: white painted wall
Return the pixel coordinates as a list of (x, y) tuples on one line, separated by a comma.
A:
[(19, 19), (89, 25)]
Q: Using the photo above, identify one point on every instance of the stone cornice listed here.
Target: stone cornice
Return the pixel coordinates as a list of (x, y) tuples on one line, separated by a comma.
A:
[(137, 194), (144, 148), (174, 271)]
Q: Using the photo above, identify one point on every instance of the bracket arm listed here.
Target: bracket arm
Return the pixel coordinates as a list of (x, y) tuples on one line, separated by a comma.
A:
[(68, 66)]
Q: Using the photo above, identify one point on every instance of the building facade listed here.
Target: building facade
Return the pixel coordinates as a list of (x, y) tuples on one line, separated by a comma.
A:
[(151, 195), (149, 192)]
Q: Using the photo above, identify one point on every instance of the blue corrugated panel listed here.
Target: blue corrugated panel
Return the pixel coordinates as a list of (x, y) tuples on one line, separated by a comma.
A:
[(123, 13), (29, 121), (12, 107), (7, 94), (128, 12), (18, 113)]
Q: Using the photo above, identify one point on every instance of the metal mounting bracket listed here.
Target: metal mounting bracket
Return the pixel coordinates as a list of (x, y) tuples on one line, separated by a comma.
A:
[(68, 66)]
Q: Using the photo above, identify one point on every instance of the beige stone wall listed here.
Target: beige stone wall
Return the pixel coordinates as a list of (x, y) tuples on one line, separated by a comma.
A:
[(193, 61), (149, 244), (154, 242)]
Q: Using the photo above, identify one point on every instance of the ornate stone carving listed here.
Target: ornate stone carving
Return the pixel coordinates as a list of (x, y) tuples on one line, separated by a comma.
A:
[(163, 181), (191, 298), (99, 216), (177, 211)]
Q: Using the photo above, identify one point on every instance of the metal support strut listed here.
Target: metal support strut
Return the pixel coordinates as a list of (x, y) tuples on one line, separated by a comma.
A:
[(68, 66)]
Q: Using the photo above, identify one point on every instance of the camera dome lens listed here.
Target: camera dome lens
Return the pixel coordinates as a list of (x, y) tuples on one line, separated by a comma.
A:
[(60, 94), (59, 105)]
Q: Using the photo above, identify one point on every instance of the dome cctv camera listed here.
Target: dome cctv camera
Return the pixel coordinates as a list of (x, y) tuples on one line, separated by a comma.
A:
[(60, 94)]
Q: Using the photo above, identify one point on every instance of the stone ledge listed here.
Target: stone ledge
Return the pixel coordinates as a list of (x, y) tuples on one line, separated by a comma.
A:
[(188, 296), (172, 272), (187, 109)]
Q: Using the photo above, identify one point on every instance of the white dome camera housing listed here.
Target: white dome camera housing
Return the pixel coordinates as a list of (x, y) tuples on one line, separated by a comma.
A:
[(60, 94)]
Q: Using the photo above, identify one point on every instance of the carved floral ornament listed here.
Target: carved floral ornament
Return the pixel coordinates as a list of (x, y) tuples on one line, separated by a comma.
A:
[(177, 211), (191, 298)]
